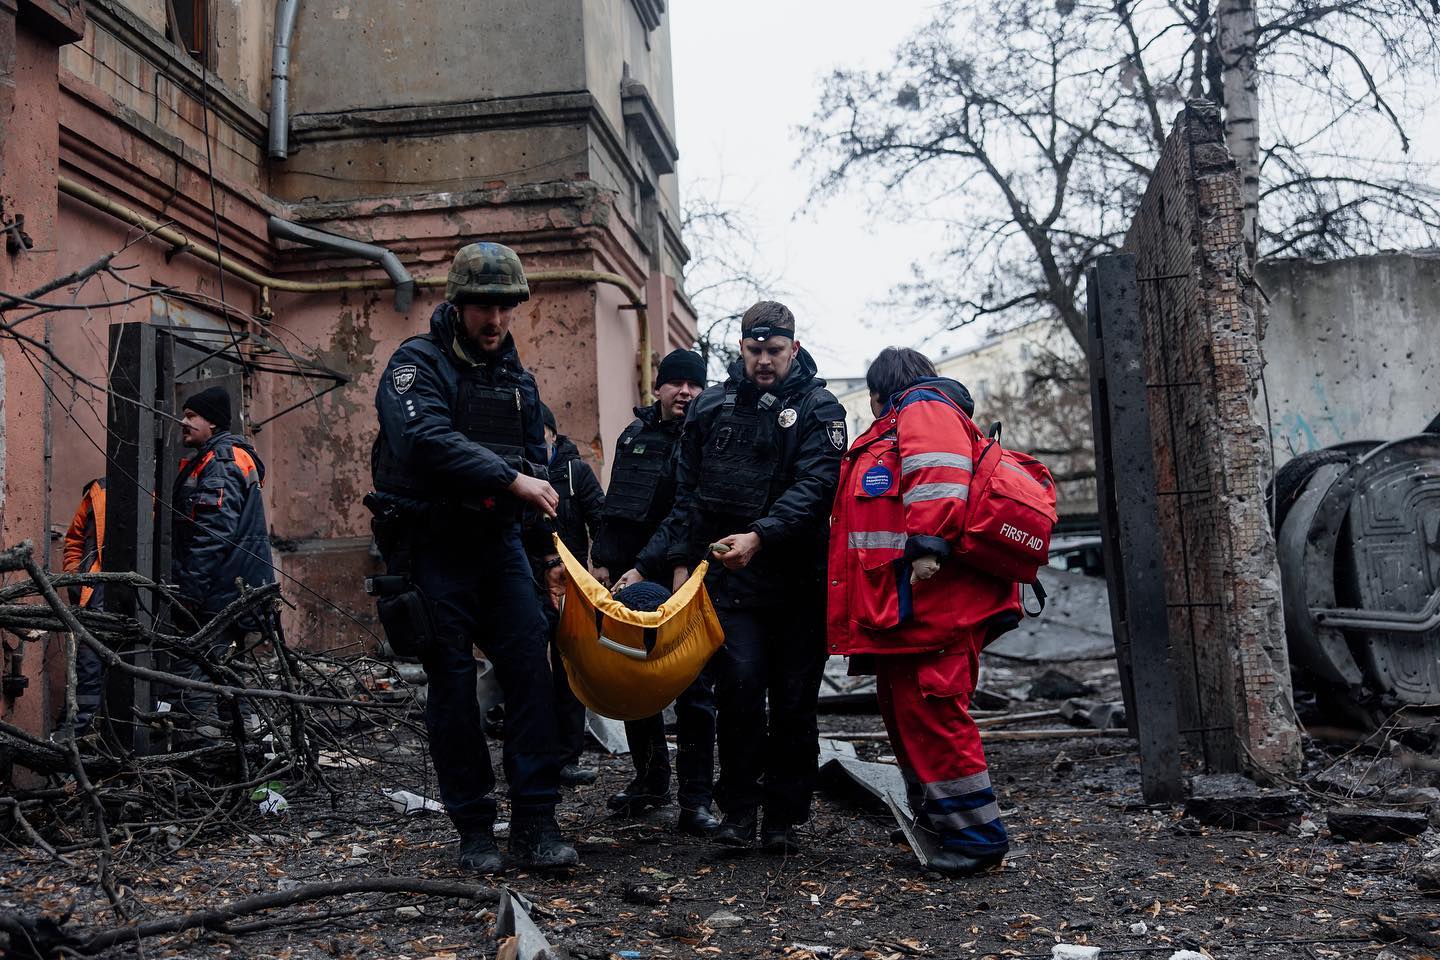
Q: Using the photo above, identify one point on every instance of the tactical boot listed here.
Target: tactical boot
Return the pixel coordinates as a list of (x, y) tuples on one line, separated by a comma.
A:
[(780, 838), (698, 822), (637, 798), (535, 841), (478, 853), (577, 774), (738, 830), (953, 863)]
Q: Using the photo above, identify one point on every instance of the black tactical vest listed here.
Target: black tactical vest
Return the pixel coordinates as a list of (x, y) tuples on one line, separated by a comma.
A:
[(741, 458), (490, 414), (642, 460)]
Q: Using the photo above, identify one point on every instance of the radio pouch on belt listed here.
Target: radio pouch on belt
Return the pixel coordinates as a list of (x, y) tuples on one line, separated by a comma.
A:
[(401, 608), (404, 614)]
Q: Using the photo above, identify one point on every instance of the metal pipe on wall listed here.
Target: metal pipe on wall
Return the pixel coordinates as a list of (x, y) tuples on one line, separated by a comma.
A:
[(404, 283), (285, 13), (183, 244)]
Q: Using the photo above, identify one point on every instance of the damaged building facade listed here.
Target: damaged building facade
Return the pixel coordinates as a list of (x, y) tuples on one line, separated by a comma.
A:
[(195, 132)]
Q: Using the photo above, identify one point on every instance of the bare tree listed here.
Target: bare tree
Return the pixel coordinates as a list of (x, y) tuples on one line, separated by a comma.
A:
[(725, 274), (1031, 128)]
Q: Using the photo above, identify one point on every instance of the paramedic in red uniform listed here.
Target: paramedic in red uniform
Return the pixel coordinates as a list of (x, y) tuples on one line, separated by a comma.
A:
[(901, 606)]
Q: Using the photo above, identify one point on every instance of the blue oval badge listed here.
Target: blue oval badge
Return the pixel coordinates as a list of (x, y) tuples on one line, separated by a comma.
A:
[(877, 481)]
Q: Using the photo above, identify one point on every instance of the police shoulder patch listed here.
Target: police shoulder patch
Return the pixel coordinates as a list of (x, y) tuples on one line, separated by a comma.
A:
[(835, 430), (403, 377)]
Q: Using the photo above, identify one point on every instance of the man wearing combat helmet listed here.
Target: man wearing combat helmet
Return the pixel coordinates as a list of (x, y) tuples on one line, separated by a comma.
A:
[(457, 463)]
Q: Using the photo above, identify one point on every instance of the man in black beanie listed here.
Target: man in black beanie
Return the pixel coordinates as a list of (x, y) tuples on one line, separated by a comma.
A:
[(642, 491), (219, 536)]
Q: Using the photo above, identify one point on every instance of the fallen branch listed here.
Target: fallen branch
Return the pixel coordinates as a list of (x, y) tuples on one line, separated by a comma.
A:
[(216, 918)]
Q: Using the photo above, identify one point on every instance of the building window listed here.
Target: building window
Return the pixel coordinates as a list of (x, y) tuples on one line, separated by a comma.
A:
[(190, 27)]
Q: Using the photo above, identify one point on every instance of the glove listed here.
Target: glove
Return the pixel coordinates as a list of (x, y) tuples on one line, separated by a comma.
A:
[(923, 568)]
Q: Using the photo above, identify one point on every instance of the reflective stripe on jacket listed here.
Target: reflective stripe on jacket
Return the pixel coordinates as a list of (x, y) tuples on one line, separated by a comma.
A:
[(903, 491), (220, 534), (85, 539)]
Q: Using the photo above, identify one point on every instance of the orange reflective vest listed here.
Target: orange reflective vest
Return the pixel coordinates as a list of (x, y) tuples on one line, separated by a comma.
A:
[(85, 538)]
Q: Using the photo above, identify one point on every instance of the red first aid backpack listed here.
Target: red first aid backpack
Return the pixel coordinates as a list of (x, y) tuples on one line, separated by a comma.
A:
[(1010, 514)]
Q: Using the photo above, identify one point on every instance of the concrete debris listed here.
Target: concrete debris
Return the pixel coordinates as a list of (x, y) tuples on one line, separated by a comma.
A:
[(1055, 685), (835, 748), (610, 734), (519, 938), (1413, 798), (1093, 713), (1426, 878), (983, 699), (1375, 826), (1074, 951), (724, 920), (1234, 802)]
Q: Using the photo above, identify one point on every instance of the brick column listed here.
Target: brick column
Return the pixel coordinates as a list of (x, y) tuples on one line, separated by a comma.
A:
[(1203, 320)]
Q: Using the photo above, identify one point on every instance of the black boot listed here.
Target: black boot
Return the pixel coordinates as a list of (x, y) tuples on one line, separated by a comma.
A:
[(738, 830), (637, 798), (535, 841), (780, 838), (698, 822), (953, 863), (577, 774), (478, 853)]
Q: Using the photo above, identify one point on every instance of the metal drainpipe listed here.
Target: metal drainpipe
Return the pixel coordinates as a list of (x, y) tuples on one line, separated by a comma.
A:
[(404, 283), (285, 14), (183, 244)]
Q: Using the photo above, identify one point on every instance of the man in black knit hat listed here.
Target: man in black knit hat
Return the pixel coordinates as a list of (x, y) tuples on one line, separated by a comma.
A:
[(219, 535), (642, 491)]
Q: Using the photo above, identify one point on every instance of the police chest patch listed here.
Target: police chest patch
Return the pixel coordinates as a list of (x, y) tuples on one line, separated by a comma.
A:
[(877, 481), (787, 417), (403, 377), (836, 432)]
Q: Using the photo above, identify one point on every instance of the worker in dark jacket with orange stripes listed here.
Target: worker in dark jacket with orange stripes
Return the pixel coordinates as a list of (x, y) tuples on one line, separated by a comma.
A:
[(220, 538)]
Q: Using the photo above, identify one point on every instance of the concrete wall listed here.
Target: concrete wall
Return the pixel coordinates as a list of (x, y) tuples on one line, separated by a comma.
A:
[(374, 54), (1200, 315), (1351, 351)]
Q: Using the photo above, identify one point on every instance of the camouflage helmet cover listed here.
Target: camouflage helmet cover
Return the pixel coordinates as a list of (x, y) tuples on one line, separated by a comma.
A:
[(486, 271)]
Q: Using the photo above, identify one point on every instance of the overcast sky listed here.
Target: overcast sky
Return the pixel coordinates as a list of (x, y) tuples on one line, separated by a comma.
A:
[(747, 74)]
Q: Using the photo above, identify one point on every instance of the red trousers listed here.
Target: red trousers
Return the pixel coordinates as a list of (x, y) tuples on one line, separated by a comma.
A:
[(925, 700)]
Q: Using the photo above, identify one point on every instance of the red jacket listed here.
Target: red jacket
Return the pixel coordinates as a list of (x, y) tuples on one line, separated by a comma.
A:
[(903, 493)]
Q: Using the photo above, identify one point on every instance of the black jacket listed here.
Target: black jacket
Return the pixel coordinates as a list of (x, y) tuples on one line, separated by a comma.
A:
[(220, 534), (416, 402), (621, 539), (793, 528), (577, 518)]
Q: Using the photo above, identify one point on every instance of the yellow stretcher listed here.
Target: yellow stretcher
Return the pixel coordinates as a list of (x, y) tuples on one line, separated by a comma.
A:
[(627, 664)]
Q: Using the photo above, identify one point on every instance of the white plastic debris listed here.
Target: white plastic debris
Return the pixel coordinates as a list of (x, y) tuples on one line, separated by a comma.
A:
[(1139, 929), (411, 804), (273, 802), (1188, 955), (1073, 951), (162, 706)]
